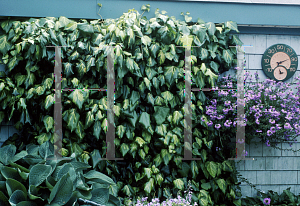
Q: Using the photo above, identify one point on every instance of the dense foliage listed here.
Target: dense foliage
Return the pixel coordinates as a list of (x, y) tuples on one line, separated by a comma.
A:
[(149, 98)]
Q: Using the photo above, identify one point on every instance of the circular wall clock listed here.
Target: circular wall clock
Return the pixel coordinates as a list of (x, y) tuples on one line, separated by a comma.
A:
[(279, 62)]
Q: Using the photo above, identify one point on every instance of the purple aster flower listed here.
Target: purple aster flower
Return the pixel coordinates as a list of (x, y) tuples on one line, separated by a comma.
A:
[(271, 121), (217, 126)]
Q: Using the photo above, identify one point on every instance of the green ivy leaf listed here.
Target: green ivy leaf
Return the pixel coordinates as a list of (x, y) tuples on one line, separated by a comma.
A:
[(178, 183), (166, 156), (211, 168), (85, 27), (48, 122), (73, 119), (222, 184), (161, 57), (78, 97), (187, 40), (4, 44), (232, 25), (149, 185), (97, 129), (227, 55), (89, 119), (145, 120)]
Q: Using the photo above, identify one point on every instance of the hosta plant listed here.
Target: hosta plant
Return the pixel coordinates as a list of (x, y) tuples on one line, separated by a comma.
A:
[(35, 177)]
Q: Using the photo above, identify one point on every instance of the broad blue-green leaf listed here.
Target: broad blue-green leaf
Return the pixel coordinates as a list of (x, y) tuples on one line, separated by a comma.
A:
[(100, 196), (13, 185), (178, 183), (211, 168), (38, 174), (62, 191), (48, 122), (17, 197), (102, 178), (7, 153)]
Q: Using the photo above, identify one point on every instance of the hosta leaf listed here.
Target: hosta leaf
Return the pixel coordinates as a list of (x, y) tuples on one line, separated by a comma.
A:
[(38, 174), (3, 200), (46, 149), (211, 168), (100, 196), (7, 153), (17, 197), (48, 122), (8, 172), (62, 191), (13, 185), (102, 178)]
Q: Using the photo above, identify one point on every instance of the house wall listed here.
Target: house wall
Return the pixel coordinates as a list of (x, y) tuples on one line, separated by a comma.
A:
[(272, 169)]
